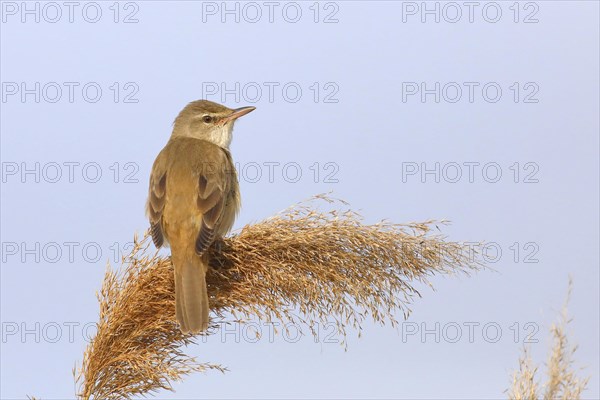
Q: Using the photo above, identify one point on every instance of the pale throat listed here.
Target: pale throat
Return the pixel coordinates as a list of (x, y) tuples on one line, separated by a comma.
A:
[(221, 135)]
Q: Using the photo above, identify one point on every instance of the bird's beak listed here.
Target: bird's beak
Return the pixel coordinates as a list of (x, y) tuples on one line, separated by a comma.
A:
[(238, 112)]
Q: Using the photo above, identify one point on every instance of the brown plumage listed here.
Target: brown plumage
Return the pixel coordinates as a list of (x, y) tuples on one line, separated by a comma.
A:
[(193, 200)]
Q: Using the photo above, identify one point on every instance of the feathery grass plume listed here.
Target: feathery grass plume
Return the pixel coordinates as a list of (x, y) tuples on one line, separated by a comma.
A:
[(137, 346), (524, 385), (302, 266), (563, 382)]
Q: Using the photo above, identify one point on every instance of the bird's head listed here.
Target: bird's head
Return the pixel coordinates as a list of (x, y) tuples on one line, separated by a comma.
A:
[(203, 119)]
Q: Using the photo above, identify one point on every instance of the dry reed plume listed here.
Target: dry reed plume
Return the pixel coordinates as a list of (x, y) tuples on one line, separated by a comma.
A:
[(562, 381), (301, 266)]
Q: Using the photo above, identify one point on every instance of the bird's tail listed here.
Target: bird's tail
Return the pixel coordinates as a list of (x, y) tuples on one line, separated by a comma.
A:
[(191, 296)]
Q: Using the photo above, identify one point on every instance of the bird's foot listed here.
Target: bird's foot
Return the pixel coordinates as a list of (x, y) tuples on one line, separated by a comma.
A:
[(217, 260)]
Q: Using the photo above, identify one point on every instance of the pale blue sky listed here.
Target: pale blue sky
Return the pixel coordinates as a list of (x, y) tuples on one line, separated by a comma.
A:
[(367, 133)]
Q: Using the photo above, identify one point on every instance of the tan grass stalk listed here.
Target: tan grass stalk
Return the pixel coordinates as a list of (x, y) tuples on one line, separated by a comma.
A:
[(302, 266), (524, 384), (563, 381)]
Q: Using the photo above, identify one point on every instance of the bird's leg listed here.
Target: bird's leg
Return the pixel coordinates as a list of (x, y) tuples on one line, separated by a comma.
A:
[(217, 261), (218, 244)]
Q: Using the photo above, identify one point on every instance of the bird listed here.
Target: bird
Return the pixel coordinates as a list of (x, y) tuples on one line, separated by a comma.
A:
[(193, 200)]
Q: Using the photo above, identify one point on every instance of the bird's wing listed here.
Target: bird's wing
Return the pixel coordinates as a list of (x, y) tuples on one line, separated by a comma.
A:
[(156, 198), (213, 191)]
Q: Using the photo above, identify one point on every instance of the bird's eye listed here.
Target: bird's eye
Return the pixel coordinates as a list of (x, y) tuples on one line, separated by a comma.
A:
[(207, 118)]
